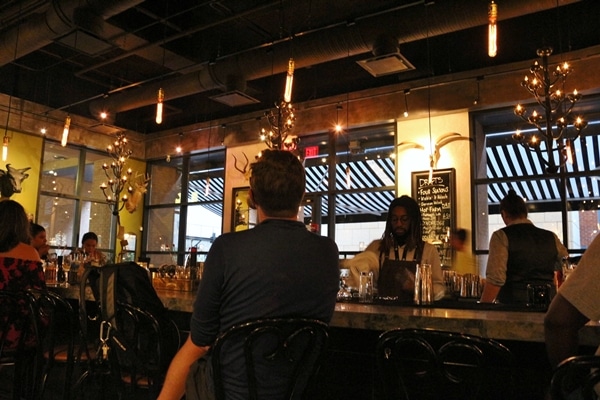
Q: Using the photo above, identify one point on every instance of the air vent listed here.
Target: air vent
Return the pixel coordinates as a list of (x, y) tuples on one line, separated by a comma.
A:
[(386, 64), (234, 99)]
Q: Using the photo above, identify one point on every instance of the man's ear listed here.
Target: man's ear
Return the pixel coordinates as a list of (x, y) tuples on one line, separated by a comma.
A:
[(250, 199)]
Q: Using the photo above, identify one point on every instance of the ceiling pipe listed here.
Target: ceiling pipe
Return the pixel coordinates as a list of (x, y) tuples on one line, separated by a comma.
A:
[(340, 41), (40, 29)]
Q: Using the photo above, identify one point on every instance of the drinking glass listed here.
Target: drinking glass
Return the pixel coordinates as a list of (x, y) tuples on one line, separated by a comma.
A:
[(66, 265)]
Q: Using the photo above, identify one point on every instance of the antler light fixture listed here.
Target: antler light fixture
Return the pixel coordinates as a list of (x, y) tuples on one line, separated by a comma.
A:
[(551, 140)]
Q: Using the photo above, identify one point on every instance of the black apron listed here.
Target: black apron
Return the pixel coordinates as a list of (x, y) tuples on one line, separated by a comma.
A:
[(397, 277)]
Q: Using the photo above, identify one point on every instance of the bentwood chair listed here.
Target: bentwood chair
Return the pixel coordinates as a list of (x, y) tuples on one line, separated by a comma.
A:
[(430, 364), (276, 354), (19, 344), (64, 344), (576, 378), (147, 349)]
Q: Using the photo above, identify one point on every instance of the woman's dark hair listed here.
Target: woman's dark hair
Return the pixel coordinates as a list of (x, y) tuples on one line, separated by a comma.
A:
[(14, 228), (89, 235), (415, 233), (35, 229), (513, 205), (277, 181)]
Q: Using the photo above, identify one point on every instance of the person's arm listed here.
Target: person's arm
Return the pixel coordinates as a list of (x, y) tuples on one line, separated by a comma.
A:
[(561, 327), (495, 272), (490, 292), (174, 385)]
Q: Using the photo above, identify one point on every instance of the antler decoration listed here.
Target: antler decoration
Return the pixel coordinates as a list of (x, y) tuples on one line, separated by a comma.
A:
[(245, 170), (435, 154), (441, 142)]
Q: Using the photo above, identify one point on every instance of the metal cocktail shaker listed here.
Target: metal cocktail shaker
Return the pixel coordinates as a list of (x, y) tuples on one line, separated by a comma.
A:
[(423, 285)]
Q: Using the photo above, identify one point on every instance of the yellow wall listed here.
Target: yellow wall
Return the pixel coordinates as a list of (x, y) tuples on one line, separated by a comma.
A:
[(132, 222), (26, 151)]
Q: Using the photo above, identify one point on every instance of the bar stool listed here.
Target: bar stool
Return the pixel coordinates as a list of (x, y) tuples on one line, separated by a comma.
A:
[(64, 343), (20, 341), (576, 377), (431, 364), (275, 353)]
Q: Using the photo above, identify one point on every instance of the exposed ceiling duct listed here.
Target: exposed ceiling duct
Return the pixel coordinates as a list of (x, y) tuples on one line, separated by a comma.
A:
[(408, 23), (40, 28)]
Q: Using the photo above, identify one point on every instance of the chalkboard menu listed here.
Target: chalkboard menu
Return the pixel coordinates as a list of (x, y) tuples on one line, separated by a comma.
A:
[(437, 202)]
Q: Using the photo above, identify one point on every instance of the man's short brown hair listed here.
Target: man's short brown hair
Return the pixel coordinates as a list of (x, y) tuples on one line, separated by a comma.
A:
[(278, 182)]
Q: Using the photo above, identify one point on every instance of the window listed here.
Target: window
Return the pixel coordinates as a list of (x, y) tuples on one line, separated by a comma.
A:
[(71, 202), (186, 206), (363, 187), (565, 203)]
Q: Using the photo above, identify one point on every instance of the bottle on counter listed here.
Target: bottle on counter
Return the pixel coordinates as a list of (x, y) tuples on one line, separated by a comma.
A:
[(193, 264)]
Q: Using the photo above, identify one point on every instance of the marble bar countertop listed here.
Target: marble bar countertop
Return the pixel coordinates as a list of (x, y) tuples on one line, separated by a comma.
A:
[(498, 324)]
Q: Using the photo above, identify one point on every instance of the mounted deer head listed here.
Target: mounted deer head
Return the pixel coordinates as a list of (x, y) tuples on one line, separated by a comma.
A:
[(139, 186)]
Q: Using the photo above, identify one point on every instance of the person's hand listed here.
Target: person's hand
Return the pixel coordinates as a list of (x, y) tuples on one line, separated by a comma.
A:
[(44, 250)]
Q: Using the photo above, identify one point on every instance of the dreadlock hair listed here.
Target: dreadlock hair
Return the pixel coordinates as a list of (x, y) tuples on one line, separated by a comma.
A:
[(415, 233)]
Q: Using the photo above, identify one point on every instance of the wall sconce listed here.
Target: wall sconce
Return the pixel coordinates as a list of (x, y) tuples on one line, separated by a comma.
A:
[(159, 106), (178, 149), (65, 134)]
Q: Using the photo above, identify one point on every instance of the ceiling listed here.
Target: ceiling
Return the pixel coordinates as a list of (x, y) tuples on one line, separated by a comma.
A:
[(87, 56)]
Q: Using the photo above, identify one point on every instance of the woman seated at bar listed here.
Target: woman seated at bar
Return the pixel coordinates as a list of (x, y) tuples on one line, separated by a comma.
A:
[(90, 253), (394, 257), (520, 254), (20, 264)]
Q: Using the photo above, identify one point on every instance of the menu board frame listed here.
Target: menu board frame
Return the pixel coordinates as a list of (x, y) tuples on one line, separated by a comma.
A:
[(439, 217)]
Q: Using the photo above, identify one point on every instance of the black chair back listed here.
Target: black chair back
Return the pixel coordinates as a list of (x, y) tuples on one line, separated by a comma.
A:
[(430, 364), (279, 356), (20, 341), (64, 342), (576, 377), (143, 354)]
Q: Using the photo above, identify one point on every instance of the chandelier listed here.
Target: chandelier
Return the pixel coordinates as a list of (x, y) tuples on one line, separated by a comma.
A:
[(117, 175), (551, 139), (281, 120)]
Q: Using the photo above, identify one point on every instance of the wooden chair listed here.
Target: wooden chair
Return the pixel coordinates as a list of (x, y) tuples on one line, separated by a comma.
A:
[(277, 354), (20, 341), (576, 378), (430, 364)]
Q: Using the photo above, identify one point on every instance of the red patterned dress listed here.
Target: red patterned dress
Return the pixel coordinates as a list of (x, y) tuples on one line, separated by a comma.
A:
[(18, 275)]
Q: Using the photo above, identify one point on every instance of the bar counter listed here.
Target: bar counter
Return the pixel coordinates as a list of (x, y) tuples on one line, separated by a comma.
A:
[(481, 320)]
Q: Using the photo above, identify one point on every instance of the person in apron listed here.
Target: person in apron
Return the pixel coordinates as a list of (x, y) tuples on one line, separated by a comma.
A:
[(394, 258)]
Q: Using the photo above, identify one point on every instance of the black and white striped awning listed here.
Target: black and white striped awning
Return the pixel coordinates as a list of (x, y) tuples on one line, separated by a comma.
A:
[(363, 186), (506, 159), (212, 199)]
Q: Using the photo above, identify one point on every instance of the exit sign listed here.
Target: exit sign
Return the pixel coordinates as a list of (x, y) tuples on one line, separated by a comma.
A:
[(311, 151)]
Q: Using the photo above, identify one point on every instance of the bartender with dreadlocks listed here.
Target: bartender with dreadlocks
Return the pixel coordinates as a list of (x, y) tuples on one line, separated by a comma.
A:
[(394, 257)]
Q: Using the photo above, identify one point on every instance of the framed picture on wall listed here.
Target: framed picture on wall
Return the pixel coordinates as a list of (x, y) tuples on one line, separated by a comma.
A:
[(437, 201), (243, 217)]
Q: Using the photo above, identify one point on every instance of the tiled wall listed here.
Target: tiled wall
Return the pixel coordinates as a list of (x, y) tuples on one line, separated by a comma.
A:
[(353, 237)]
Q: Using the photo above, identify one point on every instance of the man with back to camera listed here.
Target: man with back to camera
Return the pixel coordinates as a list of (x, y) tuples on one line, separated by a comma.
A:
[(276, 269), (520, 253)]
